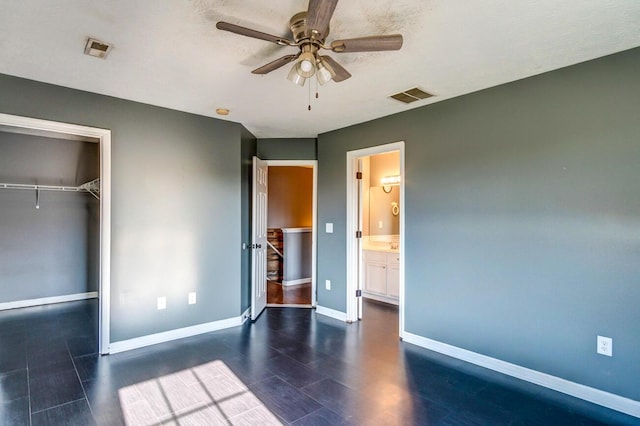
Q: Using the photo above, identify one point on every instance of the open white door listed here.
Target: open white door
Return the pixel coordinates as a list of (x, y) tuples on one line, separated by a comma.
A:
[(259, 238)]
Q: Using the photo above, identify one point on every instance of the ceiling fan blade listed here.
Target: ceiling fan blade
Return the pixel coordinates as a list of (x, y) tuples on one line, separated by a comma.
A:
[(225, 26), (368, 44), (319, 15), (274, 65), (341, 74)]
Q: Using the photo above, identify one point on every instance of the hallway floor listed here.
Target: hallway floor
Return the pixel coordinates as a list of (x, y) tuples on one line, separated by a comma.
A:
[(290, 367), (283, 295)]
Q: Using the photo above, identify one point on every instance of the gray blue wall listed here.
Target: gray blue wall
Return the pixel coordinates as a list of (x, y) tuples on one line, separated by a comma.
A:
[(176, 204), (31, 159), (287, 149), (50, 251), (522, 220)]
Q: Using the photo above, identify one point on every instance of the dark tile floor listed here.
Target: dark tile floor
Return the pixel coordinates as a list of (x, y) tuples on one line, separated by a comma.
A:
[(290, 367)]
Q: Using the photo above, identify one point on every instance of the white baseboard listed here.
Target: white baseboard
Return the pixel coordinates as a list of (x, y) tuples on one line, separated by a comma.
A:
[(332, 313), (48, 300), (597, 396), (296, 282), (380, 298), (180, 333)]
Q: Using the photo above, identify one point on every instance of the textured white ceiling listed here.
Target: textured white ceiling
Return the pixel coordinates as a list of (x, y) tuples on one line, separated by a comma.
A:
[(169, 53)]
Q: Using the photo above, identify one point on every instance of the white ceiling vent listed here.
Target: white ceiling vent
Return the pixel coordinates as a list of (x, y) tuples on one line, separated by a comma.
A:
[(411, 95), (97, 48)]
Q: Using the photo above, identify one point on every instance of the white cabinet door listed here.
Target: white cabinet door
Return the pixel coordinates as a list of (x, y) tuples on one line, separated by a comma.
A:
[(393, 280), (393, 274), (375, 277)]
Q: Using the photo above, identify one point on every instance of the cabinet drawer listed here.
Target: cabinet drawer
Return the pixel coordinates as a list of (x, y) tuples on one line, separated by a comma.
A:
[(393, 259)]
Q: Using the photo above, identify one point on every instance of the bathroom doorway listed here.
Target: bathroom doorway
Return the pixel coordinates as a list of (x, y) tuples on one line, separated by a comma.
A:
[(375, 226)]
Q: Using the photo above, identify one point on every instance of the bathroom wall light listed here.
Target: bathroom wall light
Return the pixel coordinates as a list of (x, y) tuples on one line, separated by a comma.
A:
[(389, 181)]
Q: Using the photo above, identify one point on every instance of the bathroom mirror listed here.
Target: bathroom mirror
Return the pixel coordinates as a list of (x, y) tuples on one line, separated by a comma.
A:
[(384, 208)]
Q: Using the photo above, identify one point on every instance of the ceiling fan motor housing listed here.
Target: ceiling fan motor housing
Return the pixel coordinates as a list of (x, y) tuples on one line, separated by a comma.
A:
[(300, 30)]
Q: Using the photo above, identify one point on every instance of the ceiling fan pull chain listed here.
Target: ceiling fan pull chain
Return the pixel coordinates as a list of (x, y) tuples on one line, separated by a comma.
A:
[(309, 98), (317, 95)]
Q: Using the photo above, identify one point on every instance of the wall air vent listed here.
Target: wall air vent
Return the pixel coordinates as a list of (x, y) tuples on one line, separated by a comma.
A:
[(97, 48), (411, 95)]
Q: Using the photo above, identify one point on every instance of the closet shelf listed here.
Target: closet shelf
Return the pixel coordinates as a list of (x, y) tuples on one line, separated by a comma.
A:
[(93, 187)]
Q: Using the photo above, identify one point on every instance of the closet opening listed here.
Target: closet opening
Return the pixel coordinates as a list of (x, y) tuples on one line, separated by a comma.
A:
[(54, 218)]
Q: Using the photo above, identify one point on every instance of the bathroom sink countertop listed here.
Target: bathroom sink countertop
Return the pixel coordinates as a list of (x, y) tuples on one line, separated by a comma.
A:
[(380, 247)]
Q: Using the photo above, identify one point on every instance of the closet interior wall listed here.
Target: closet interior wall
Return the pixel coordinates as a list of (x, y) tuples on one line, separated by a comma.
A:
[(49, 239)]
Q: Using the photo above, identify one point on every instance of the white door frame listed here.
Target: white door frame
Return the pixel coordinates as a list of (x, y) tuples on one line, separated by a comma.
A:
[(314, 229), (352, 221), (104, 139)]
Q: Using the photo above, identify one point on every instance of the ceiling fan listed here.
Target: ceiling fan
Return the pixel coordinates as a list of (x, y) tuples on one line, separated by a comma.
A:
[(310, 30)]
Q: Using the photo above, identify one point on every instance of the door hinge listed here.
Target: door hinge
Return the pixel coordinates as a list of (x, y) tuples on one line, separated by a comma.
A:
[(358, 234), (358, 293), (359, 175)]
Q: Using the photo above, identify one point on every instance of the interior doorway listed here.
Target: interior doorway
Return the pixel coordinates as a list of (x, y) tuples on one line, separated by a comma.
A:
[(65, 131), (289, 278), (375, 229), (291, 234)]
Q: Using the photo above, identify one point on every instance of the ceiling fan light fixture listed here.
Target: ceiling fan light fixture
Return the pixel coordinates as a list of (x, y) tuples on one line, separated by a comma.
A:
[(324, 72), (306, 65), (295, 77)]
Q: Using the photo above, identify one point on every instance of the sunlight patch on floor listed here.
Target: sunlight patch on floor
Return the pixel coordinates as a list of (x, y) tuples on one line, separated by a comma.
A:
[(209, 394)]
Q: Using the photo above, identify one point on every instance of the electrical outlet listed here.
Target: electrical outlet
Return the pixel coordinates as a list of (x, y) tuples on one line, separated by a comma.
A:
[(327, 284), (192, 298), (162, 303), (605, 346)]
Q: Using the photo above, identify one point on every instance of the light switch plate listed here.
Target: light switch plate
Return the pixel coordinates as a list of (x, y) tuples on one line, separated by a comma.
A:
[(192, 298), (329, 228), (162, 303)]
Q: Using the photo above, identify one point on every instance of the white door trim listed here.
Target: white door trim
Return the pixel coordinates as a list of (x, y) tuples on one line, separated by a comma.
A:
[(352, 212), (314, 228), (104, 139)]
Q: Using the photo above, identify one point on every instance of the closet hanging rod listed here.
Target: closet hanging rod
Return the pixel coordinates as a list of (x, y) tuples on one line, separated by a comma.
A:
[(42, 187)]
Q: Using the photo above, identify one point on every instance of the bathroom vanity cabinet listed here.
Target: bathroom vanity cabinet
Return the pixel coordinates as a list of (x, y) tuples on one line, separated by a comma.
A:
[(381, 275)]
